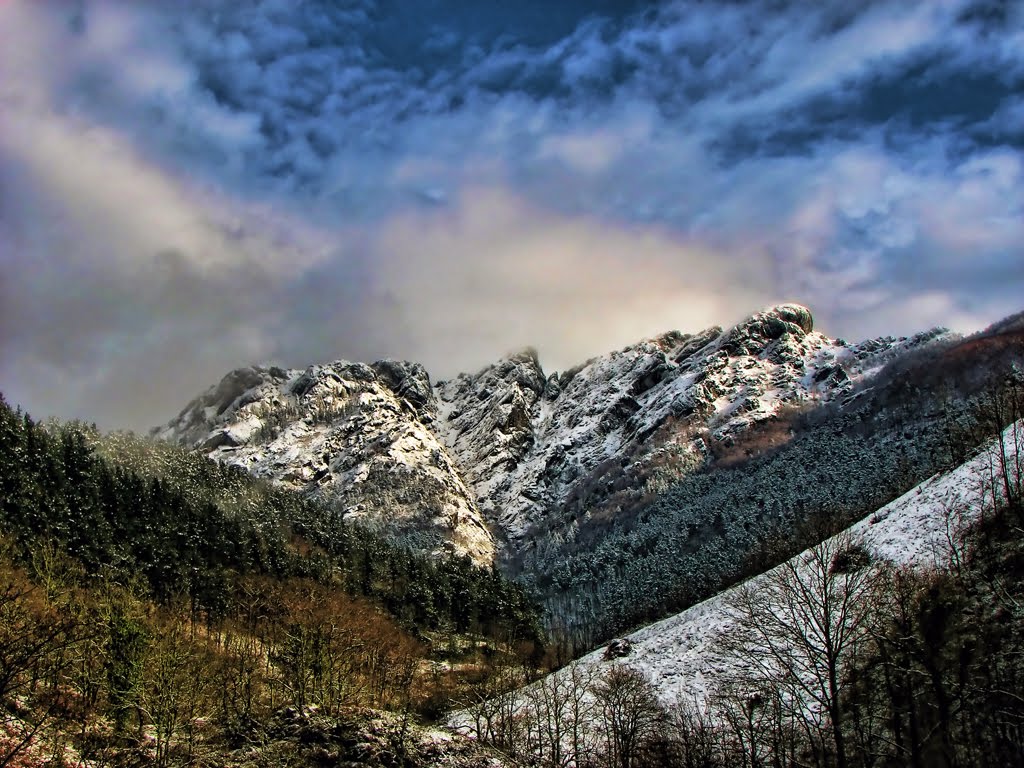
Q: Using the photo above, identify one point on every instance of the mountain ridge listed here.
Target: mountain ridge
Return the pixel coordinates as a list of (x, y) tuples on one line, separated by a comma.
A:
[(471, 464)]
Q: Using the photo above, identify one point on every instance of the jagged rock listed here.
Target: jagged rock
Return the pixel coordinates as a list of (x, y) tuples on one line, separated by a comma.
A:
[(488, 417), (376, 459), (408, 381), (617, 649), (219, 439), (552, 387), (509, 447), (234, 385), (755, 333), (217, 405), (797, 314), (690, 346)]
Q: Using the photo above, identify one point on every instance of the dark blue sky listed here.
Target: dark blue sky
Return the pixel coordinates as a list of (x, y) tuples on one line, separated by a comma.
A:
[(188, 187)]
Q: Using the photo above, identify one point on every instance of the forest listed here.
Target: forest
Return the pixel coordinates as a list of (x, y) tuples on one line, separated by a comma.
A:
[(158, 608)]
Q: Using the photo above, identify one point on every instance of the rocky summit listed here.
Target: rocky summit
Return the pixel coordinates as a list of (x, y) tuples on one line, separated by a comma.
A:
[(472, 464)]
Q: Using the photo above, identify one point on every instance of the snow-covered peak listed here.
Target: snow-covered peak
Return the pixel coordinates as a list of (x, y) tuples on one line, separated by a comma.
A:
[(219, 404), (354, 433), (475, 464), (528, 444)]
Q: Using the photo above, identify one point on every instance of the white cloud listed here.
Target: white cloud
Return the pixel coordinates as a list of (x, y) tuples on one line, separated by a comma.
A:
[(497, 273)]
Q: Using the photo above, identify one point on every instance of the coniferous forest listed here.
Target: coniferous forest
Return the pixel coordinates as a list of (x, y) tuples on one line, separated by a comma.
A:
[(156, 606)]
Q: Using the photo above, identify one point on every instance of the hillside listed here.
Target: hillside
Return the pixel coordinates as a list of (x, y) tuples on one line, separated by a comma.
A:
[(158, 608), (922, 529), (897, 640), (624, 556)]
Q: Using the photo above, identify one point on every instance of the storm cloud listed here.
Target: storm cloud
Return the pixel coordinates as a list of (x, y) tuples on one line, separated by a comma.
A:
[(188, 188)]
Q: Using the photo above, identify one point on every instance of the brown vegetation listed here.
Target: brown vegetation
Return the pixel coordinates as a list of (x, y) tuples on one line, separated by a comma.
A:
[(90, 675)]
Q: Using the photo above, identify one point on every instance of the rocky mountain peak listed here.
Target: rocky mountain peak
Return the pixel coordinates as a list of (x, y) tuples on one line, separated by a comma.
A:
[(409, 382), (526, 355), (352, 433), (797, 314), (496, 452), (521, 369), (758, 331), (219, 403), (500, 402)]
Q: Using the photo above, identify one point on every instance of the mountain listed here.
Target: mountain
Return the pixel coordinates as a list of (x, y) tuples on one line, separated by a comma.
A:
[(475, 464), (358, 434), (920, 529)]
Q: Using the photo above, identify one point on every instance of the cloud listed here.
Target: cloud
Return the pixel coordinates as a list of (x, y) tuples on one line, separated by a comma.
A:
[(126, 279), (186, 189), (572, 285)]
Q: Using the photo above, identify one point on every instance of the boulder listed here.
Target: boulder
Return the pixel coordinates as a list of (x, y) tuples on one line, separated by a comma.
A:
[(617, 649), (409, 381)]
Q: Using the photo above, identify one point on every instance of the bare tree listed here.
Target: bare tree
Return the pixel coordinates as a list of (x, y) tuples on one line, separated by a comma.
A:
[(36, 645), (1001, 412), (494, 707), (561, 709), (757, 724), (698, 735), (798, 629), (630, 713), (176, 694)]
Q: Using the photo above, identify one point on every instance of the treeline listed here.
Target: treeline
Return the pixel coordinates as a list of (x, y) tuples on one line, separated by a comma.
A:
[(189, 528)]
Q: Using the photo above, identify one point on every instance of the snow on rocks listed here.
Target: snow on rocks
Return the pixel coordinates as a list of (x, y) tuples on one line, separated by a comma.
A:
[(357, 434), (526, 442), (478, 462)]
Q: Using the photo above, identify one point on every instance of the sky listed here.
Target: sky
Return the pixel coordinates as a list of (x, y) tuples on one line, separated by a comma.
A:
[(190, 187)]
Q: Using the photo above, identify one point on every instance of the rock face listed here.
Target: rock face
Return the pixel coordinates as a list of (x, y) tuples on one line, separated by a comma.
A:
[(472, 464), (357, 434)]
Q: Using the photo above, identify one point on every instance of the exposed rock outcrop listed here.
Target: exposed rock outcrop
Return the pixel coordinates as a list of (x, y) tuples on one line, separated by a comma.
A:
[(494, 453), (355, 434), (611, 408)]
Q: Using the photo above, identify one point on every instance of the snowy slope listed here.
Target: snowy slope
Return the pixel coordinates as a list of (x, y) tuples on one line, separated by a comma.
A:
[(677, 654)]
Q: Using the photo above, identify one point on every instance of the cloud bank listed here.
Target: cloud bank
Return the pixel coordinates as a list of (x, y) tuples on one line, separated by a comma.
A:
[(184, 190)]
